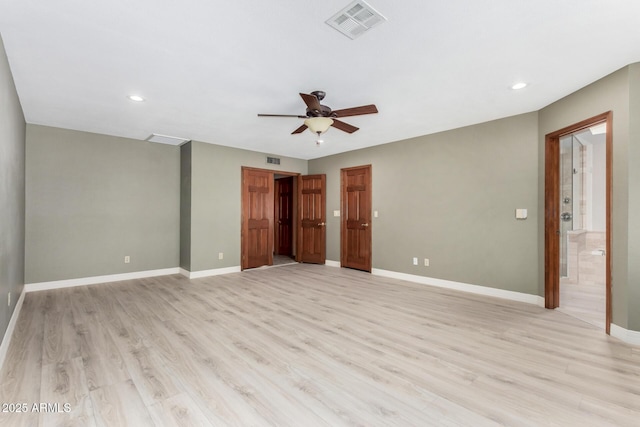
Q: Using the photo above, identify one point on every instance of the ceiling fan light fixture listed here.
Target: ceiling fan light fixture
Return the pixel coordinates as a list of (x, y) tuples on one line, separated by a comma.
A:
[(318, 125)]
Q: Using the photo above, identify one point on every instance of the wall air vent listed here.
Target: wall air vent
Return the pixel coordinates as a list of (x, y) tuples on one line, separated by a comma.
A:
[(355, 19), (273, 160), (166, 139)]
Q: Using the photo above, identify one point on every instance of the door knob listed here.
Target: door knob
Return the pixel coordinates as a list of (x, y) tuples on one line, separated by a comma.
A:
[(364, 225), (321, 224)]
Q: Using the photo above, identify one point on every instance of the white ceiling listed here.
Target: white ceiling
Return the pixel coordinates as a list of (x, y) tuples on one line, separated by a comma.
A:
[(207, 67)]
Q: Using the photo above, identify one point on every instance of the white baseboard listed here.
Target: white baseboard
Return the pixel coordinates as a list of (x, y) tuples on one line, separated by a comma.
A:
[(6, 340), (228, 270), (58, 284), (206, 273), (626, 335), (464, 287)]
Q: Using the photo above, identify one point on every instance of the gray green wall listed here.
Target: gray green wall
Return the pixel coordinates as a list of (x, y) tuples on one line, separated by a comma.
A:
[(619, 93), (12, 170), (451, 197), (633, 256), (185, 206), (215, 209), (92, 199)]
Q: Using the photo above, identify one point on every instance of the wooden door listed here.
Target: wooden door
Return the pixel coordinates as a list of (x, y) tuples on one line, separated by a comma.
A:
[(257, 218), (312, 217), (355, 232), (284, 216)]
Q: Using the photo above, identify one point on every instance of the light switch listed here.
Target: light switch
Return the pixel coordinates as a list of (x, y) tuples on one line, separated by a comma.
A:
[(336, 213), (375, 214), (521, 214)]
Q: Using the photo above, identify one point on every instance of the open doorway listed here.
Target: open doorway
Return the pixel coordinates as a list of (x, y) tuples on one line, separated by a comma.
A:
[(583, 224), (268, 222), (578, 181), (283, 218)]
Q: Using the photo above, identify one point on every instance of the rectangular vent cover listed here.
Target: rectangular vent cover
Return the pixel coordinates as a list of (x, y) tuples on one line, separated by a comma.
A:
[(166, 139), (355, 19), (273, 160)]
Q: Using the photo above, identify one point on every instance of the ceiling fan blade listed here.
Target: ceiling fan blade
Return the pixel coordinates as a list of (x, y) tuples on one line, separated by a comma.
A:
[(281, 115), (356, 111), (311, 101), (299, 130), (346, 127)]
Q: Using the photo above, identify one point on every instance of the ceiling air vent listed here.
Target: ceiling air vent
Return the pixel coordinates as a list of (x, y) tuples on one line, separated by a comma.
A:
[(355, 19), (166, 139)]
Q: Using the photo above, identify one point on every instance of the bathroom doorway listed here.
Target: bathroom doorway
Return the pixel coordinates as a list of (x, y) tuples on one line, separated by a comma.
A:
[(578, 221), (583, 224)]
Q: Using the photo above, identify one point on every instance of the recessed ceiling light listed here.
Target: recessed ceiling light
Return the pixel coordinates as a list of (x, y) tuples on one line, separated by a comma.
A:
[(136, 98), (519, 86)]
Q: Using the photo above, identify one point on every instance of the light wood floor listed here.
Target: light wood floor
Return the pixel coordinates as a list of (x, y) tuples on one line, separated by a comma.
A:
[(283, 260), (306, 345), (586, 302)]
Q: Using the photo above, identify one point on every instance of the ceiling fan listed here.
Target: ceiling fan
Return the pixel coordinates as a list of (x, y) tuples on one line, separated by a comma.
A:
[(319, 117)]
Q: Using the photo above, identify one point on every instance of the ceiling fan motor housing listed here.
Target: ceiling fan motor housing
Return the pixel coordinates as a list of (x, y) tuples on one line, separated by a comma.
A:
[(323, 112), (320, 94)]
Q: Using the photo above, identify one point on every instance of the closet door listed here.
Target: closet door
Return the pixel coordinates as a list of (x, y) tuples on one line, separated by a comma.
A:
[(257, 218), (312, 217)]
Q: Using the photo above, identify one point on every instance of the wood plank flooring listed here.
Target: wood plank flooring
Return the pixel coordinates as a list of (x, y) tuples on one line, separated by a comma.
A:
[(308, 345), (584, 301)]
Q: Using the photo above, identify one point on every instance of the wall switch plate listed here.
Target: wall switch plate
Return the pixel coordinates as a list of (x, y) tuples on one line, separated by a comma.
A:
[(9, 299), (127, 259), (375, 214), (415, 261), (426, 262), (336, 213), (521, 214), (220, 255)]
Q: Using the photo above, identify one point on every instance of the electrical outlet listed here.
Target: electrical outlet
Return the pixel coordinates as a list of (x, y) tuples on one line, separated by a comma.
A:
[(220, 255), (426, 262), (127, 259), (415, 260)]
